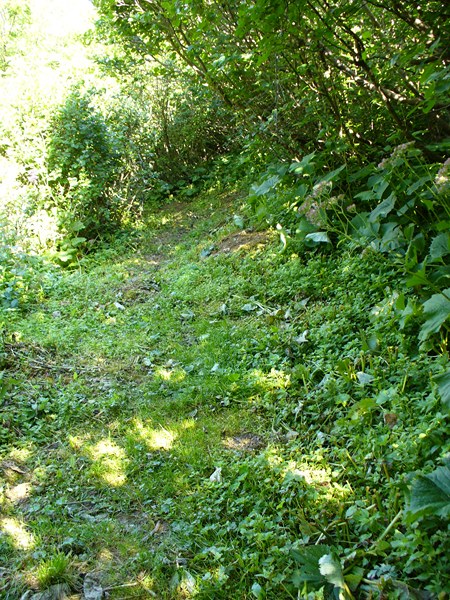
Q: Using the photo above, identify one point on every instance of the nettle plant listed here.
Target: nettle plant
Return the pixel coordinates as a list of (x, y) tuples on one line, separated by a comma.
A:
[(297, 198), (411, 224), (402, 210)]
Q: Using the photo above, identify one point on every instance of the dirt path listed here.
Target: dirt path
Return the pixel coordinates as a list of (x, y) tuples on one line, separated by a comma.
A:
[(119, 396)]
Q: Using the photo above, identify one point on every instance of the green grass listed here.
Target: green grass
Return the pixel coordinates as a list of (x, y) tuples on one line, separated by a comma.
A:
[(166, 357)]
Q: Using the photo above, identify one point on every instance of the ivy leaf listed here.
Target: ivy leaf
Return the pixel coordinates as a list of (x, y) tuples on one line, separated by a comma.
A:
[(430, 494), (437, 311)]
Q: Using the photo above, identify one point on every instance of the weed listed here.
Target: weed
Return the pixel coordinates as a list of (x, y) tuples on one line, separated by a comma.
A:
[(142, 375), (55, 569)]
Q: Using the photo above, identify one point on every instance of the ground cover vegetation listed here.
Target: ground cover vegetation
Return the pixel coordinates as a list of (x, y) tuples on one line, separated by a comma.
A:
[(225, 300)]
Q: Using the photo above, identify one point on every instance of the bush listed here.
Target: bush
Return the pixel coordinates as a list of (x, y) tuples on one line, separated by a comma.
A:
[(83, 162)]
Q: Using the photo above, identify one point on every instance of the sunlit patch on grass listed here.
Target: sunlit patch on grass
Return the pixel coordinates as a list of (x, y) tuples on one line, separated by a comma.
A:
[(16, 531), (18, 492), (155, 439), (21, 454), (188, 424), (306, 473), (161, 439), (105, 556), (173, 375), (272, 380), (109, 462), (76, 442), (320, 479)]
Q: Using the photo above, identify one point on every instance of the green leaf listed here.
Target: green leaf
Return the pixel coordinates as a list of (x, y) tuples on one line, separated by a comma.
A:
[(318, 237), (362, 407), (77, 226), (308, 559), (417, 278), (443, 385), (249, 307), (430, 494), (366, 195), (383, 209), (409, 312), (330, 176), (207, 252), (440, 246), (417, 184), (65, 255), (77, 241), (266, 186), (239, 221), (437, 310), (330, 567), (299, 167), (353, 579), (364, 378), (258, 591)]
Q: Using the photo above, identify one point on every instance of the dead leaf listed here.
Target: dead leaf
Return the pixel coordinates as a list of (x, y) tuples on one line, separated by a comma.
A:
[(92, 588), (10, 464), (60, 591), (390, 419)]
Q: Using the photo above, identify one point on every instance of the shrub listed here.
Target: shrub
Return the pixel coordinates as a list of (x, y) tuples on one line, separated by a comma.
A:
[(83, 162)]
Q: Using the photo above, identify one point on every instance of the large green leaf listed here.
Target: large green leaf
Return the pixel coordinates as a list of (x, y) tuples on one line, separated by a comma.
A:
[(430, 494), (443, 384), (330, 567), (440, 246), (332, 174), (308, 560), (318, 237), (304, 166), (383, 209), (266, 186), (437, 311)]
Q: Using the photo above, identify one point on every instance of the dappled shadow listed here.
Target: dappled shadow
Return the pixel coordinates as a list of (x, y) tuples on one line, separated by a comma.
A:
[(109, 490), (158, 409)]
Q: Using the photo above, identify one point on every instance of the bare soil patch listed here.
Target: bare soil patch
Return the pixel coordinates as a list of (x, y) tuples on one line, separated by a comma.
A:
[(241, 240), (244, 442)]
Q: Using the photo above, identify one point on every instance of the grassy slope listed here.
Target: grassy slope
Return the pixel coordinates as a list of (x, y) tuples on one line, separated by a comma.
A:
[(142, 373)]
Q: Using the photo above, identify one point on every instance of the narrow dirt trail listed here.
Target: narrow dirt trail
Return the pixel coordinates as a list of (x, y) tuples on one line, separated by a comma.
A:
[(196, 413), (121, 396)]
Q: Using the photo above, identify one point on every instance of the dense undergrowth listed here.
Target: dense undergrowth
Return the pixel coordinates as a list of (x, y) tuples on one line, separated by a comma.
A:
[(199, 413), (224, 299)]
